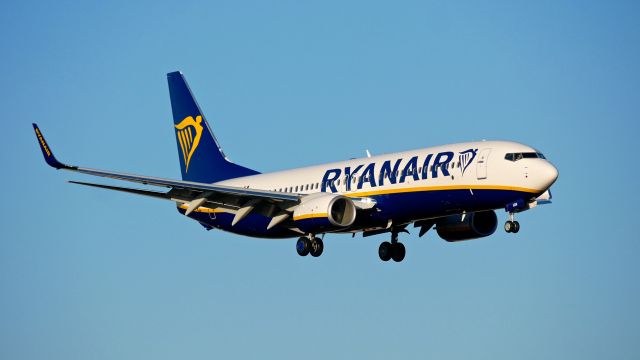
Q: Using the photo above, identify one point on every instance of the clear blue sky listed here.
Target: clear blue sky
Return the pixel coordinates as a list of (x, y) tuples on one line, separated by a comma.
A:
[(91, 274)]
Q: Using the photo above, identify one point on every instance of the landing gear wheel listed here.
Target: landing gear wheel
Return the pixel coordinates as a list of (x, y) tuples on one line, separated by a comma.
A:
[(316, 247), (509, 226), (398, 252), (516, 227), (512, 226), (303, 246), (385, 251)]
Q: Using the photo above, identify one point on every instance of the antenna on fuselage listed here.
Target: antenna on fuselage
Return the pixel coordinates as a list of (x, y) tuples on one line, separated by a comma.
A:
[(368, 153)]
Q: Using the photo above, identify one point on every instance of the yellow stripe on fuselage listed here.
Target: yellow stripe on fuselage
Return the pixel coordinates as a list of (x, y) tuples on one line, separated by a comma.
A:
[(310, 216), (440, 188)]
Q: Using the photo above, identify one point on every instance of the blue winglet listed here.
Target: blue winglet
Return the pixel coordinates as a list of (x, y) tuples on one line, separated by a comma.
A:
[(46, 151)]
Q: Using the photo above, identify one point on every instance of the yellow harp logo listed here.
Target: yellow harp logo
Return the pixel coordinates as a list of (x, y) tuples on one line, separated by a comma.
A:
[(189, 132)]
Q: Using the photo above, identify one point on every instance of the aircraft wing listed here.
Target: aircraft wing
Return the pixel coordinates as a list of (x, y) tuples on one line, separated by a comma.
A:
[(194, 193)]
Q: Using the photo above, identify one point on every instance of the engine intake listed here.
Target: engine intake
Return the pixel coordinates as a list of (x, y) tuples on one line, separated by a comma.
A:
[(324, 212), (475, 225)]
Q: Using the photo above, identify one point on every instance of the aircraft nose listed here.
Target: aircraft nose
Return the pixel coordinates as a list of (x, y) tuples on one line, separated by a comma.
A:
[(549, 173)]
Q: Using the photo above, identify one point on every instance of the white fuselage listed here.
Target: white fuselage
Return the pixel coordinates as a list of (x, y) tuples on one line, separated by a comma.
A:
[(489, 169), (405, 186)]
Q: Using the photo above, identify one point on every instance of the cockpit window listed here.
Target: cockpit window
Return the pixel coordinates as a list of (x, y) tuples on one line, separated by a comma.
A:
[(526, 155)]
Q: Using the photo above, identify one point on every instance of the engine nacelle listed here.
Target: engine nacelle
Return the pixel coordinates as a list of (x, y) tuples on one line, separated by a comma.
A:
[(324, 212), (475, 225)]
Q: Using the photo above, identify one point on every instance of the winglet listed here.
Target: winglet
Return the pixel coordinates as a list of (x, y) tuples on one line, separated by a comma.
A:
[(46, 151)]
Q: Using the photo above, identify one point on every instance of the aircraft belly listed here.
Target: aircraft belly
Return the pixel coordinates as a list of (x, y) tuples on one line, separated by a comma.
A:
[(399, 207), (409, 206)]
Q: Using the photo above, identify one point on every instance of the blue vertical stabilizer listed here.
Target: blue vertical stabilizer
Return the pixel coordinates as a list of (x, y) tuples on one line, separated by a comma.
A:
[(201, 157)]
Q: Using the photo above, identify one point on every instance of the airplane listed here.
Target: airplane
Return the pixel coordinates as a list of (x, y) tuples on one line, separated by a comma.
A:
[(454, 189)]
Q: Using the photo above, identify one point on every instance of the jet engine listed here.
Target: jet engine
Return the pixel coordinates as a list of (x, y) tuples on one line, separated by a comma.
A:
[(470, 226), (323, 212)]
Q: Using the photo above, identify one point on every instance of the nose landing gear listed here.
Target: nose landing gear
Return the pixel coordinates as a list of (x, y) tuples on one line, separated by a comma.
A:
[(511, 226)]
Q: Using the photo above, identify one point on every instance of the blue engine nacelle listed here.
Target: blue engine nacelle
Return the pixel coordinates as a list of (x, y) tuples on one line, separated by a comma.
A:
[(471, 226)]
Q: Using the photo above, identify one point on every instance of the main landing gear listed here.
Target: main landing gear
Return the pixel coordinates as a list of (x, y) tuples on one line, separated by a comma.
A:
[(511, 226), (392, 250), (309, 245)]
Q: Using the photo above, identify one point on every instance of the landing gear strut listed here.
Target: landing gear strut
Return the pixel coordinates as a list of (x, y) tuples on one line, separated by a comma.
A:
[(309, 245), (511, 226), (392, 250)]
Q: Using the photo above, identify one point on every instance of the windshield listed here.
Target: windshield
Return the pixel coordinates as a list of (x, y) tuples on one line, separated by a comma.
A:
[(523, 155)]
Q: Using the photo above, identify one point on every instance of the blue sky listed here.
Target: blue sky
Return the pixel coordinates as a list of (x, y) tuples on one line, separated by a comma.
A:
[(86, 273)]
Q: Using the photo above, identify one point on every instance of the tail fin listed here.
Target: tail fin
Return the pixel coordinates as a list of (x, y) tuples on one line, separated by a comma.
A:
[(201, 157)]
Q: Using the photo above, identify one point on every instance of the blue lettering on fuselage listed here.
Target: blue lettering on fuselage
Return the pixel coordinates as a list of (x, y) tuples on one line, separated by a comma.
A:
[(425, 166), (330, 176), (441, 164), (410, 170), (368, 175), (349, 174), (386, 171)]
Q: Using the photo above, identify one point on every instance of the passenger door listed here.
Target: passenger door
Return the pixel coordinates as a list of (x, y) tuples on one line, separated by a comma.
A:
[(481, 168)]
